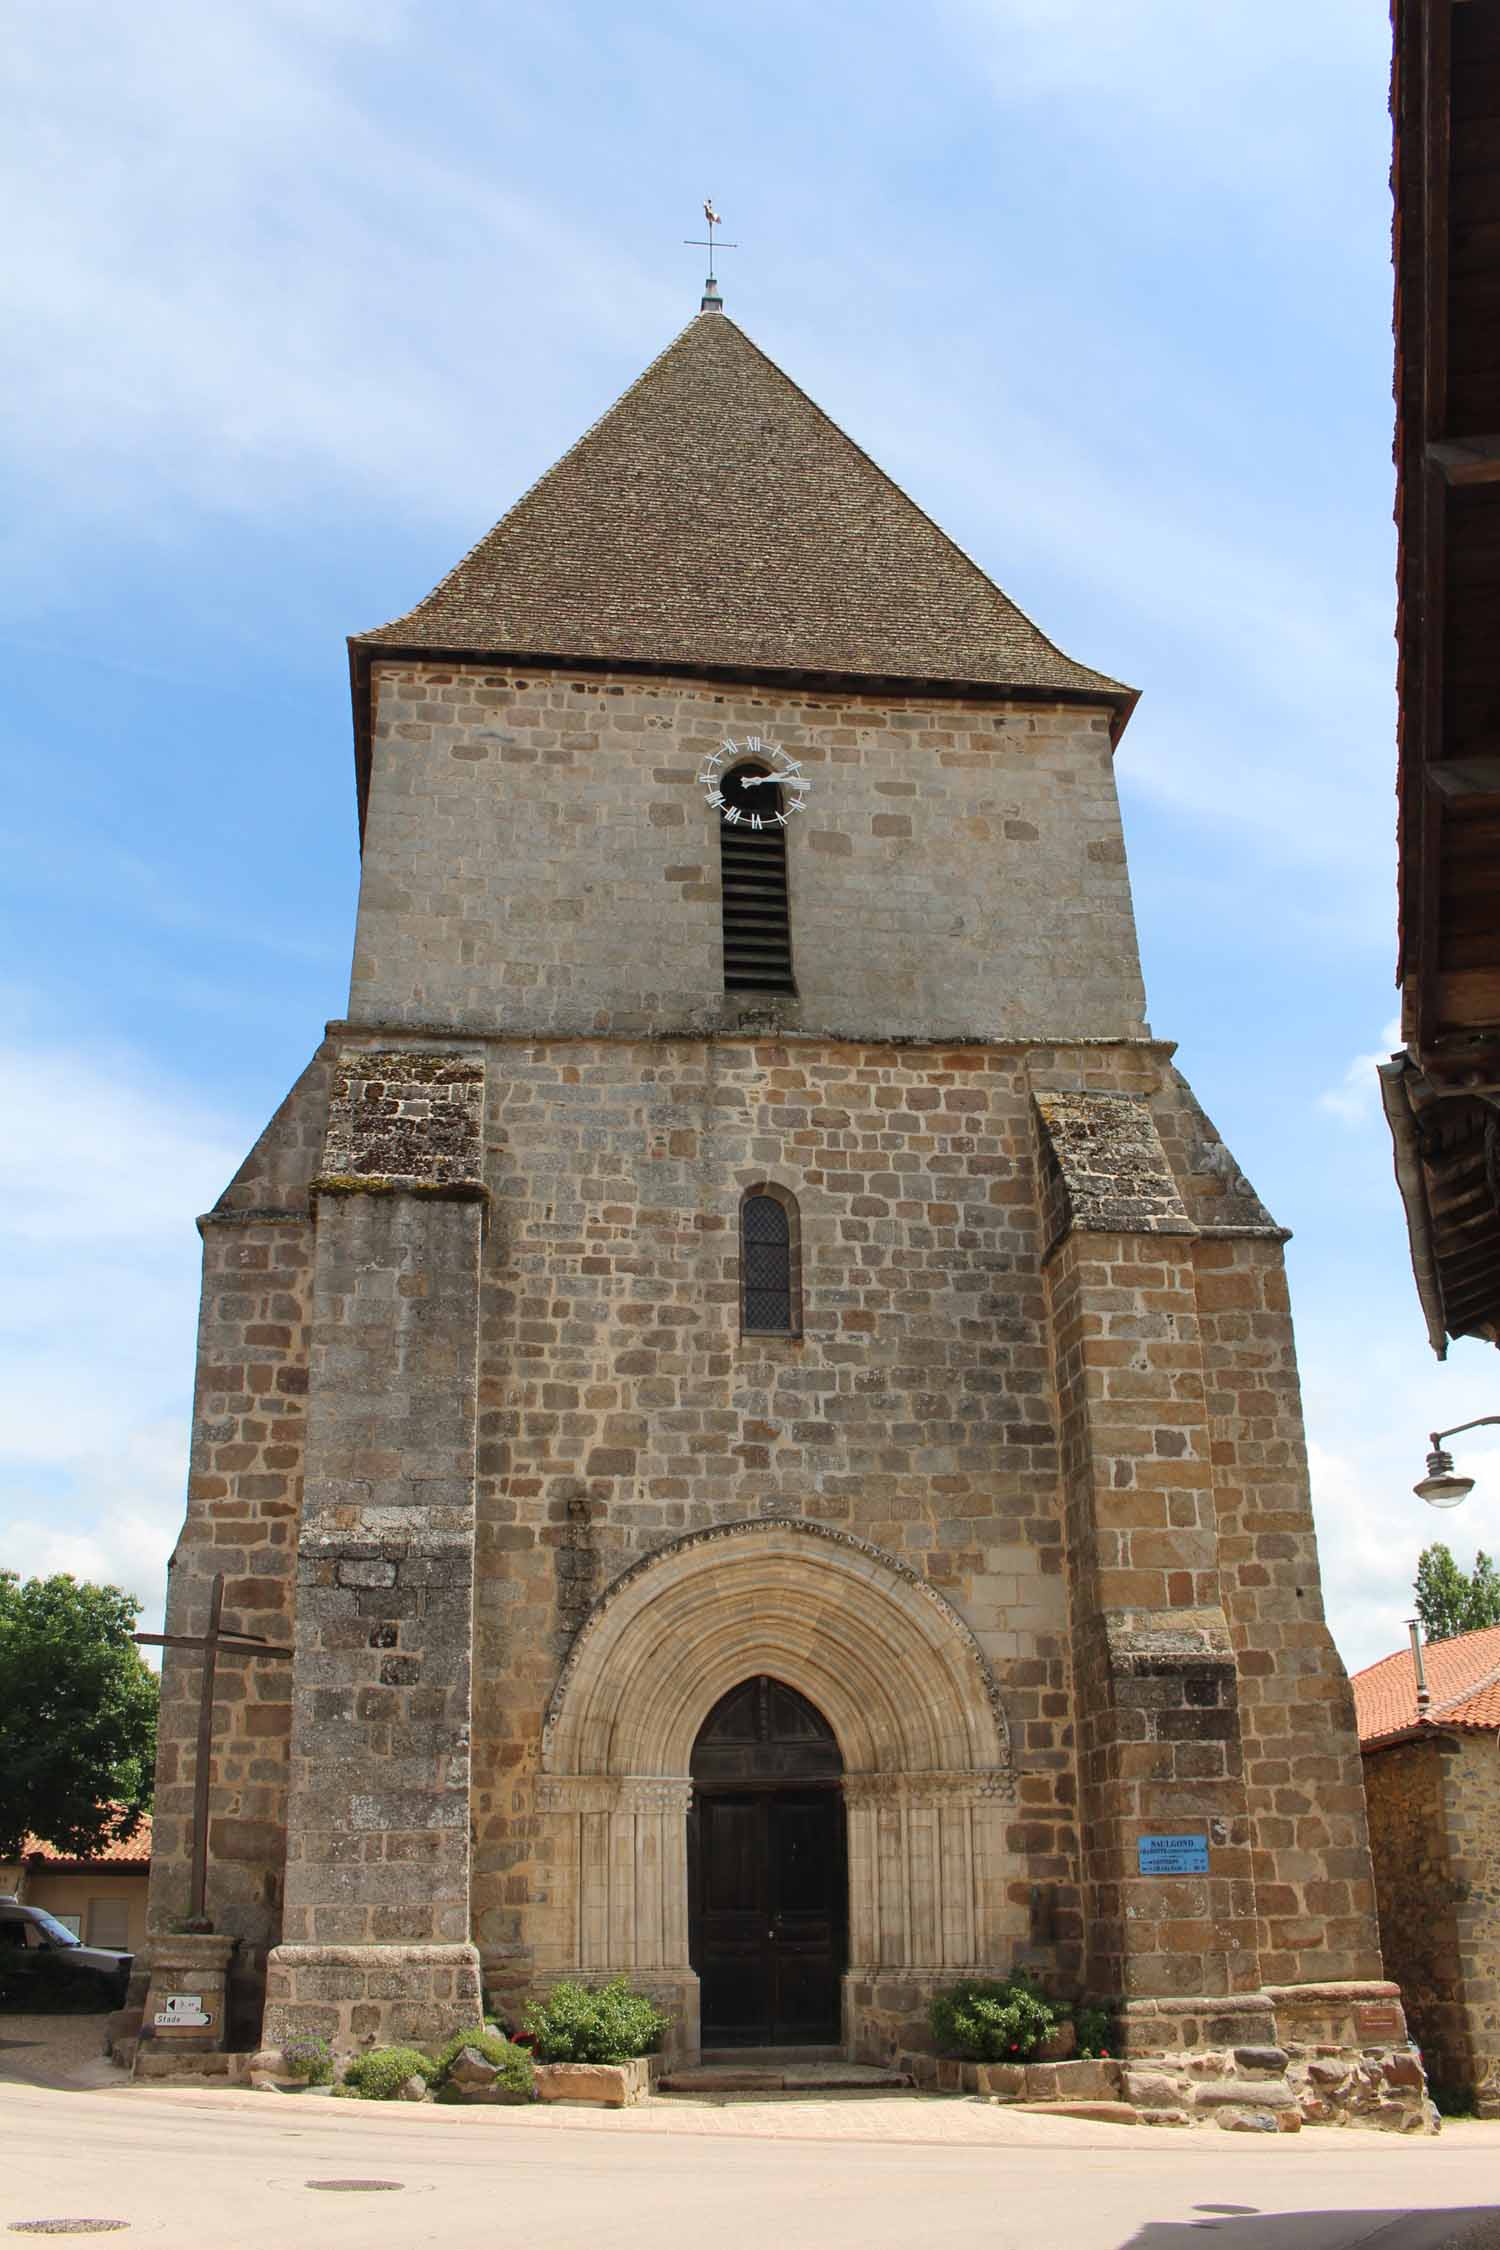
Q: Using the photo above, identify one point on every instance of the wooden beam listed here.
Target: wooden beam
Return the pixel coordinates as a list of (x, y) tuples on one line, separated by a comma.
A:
[(1464, 777), (1431, 497), (1470, 460)]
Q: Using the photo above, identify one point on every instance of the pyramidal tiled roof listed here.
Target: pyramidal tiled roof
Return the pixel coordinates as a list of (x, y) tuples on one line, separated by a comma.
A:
[(716, 518), (1463, 1681)]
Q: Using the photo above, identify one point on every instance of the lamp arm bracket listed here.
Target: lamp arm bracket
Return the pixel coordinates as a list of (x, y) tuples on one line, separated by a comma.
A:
[(1480, 1422)]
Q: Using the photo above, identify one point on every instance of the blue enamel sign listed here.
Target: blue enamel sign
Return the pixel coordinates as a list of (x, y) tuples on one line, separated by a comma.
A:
[(1171, 1855)]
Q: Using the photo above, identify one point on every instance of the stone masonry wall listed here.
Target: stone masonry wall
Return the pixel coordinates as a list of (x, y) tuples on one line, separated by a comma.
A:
[(617, 1404), (538, 856), (1435, 1834), (1159, 1749), (376, 1925), (1473, 1807), (621, 1406), (244, 1501), (1314, 1883)]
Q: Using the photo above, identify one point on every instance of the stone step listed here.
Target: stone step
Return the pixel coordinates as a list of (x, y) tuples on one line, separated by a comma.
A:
[(782, 2078), (1101, 2113)]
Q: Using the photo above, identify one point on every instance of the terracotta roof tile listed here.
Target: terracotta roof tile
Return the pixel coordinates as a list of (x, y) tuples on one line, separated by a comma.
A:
[(1463, 1679), (132, 1851), (715, 517)]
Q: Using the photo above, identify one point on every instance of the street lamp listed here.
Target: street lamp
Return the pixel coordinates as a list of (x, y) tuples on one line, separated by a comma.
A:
[(1440, 1488)]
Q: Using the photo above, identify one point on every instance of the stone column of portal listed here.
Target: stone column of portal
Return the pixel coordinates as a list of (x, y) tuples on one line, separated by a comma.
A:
[(376, 1941), (1155, 1679)]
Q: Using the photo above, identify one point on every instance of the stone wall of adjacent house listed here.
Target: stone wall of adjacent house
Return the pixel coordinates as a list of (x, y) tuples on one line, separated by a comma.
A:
[(1473, 1805), (1435, 1833), (1405, 1791), (539, 855)]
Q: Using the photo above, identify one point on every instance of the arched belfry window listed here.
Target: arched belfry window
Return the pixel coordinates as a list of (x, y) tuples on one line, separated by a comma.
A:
[(752, 868), (770, 1282)]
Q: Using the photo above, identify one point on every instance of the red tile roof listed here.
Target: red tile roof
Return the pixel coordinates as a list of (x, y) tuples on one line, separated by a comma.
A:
[(130, 1851), (1463, 1679)]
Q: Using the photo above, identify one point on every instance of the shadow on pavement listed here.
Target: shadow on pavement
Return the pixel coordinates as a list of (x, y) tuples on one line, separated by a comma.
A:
[(65, 2052), (1474, 2226)]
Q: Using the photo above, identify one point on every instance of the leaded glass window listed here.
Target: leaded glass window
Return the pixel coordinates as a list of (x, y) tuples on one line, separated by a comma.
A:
[(766, 1265)]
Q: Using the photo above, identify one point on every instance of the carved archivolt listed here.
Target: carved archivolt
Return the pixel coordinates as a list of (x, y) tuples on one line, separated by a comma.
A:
[(886, 1658), (893, 1668)]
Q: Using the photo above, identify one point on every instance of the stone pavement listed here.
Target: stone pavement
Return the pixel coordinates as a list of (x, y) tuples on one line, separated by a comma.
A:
[(55, 2050), (232, 2170)]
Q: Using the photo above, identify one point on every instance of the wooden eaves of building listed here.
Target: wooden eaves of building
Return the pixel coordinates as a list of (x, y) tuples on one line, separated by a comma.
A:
[(1442, 1092)]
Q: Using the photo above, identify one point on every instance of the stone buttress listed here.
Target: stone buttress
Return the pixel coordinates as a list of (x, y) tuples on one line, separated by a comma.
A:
[(376, 1926)]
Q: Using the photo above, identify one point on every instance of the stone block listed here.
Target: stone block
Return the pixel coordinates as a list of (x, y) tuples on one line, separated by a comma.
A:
[(1004, 2081), (1150, 2089), (1261, 2058), (599, 2085), (1229, 2093), (472, 2071)]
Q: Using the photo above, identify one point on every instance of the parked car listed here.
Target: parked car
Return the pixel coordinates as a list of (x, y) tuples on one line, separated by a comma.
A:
[(38, 1953)]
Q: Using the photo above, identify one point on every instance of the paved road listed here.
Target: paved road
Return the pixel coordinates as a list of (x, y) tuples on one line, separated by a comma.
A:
[(231, 2172)]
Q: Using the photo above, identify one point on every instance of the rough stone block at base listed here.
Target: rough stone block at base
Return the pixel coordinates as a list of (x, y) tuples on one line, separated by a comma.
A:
[(158, 2062), (601, 2085), (186, 2000), (1242, 2093), (1202, 2023), (1100, 2113), (360, 1996)]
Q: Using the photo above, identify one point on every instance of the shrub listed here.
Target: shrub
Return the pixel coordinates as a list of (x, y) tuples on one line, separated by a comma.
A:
[(380, 2075), (1097, 2029), (517, 2072), (985, 2021), (605, 2023), (308, 2056)]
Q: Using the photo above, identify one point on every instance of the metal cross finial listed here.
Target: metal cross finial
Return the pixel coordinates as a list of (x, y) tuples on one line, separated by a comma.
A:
[(711, 288)]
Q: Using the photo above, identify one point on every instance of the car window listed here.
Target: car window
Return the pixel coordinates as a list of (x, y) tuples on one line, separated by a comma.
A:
[(47, 1930), (12, 1933)]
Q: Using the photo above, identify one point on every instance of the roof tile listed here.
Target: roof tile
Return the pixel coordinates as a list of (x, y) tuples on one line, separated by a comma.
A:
[(715, 517), (129, 1851), (1463, 1680)]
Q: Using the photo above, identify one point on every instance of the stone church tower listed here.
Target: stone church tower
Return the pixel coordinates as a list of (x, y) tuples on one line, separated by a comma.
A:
[(764, 1405)]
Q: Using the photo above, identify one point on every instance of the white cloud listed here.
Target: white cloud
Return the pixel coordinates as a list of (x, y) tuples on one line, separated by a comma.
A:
[(106, 1166), (1200, 72), (232, 287), (1356, 1097)]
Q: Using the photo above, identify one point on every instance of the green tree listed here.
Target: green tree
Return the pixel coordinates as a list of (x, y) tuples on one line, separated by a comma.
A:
[(1451, 1600), (77, 1715)]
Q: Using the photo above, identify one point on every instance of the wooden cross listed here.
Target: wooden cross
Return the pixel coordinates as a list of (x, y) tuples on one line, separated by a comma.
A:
[(211, 1642)]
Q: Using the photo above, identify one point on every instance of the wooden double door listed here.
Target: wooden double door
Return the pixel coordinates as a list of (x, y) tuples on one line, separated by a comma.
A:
[(767, 1872)]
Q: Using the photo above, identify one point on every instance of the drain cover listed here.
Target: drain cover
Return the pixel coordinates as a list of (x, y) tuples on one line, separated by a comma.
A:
[(66, 2226), (354, 2187)]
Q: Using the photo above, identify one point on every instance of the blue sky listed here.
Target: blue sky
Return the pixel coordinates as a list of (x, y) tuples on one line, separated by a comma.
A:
[(308, 291)]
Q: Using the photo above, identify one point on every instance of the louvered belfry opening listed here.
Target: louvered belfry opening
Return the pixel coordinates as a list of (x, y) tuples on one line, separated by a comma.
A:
[(752, 867)]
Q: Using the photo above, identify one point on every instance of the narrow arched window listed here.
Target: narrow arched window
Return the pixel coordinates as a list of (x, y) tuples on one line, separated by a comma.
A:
[(752, 869), (768, 1265)]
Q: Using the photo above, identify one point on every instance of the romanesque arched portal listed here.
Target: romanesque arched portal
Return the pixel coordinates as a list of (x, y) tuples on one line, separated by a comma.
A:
[(920, 1727)]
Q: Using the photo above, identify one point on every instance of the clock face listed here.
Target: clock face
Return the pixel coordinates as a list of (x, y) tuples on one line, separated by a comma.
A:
[(764, 796)]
